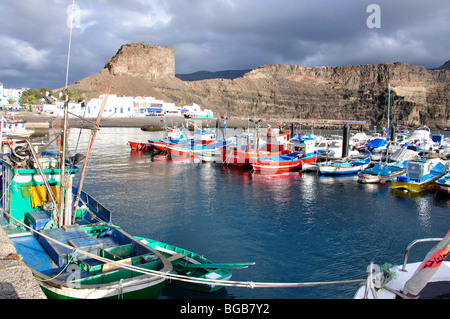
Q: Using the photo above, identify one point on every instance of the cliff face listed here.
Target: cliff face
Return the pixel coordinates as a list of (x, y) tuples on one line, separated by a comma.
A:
[(143, 60), (420, 96)]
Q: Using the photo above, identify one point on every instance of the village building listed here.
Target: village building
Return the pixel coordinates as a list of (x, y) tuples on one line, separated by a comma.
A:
[(127, 107)]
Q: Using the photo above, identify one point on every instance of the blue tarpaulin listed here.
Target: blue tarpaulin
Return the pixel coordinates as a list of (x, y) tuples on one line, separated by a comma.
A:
[(376, 143)]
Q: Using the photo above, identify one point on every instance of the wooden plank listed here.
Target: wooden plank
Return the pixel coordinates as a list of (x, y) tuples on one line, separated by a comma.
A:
[(176, 256), (112, 266)]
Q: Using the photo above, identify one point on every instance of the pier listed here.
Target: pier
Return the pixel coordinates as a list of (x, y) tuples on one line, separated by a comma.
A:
[(16, 279)]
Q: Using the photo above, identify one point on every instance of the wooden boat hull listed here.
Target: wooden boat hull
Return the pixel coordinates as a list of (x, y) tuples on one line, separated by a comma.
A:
[(159, 144), (443, 184), (331, 170), (245, 158), (442, 188), (372, 178), (188, 257), (140, 146), (129, 289), (275, 164), (346, 168), (63, 274)]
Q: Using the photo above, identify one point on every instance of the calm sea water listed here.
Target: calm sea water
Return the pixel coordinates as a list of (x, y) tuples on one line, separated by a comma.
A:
[(297, 227)]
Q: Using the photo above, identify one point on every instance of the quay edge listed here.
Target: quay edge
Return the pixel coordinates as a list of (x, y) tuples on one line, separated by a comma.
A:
[(16, 279)]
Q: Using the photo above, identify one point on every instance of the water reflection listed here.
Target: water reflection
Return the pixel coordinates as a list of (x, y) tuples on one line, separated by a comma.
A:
[(295, 226)]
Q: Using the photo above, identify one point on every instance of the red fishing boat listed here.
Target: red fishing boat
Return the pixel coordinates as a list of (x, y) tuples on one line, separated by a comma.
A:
[(305, 153), (247, 147), (136, 146)]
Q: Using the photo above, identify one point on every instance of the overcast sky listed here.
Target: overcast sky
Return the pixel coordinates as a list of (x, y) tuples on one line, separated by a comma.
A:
[(216, 35)]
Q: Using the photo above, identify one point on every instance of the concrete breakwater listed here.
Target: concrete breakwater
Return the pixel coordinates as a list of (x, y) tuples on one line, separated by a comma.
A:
[(41, 122)]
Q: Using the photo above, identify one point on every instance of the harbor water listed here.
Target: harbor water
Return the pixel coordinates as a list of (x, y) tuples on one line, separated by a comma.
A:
[(297, 227)]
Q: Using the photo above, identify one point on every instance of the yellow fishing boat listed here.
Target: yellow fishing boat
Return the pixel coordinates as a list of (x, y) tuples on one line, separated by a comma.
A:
[(419, 175)]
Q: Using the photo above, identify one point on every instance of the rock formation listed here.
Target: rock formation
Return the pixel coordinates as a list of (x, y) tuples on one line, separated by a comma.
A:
[(445, 66), (143, 60), (420, 96)]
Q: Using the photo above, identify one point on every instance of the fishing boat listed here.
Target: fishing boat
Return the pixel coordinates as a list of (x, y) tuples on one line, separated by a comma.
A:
[(137, 146), (419, 175), (422, 138), (13, 127), (358, 141), (381, 172), (204, 136), (304, 153), (248, 147), (428, 279), (376, 147), (211, 153), (346, 168), (194, 266), (443, 184), (67, 238), (286, 162), (172, 136)]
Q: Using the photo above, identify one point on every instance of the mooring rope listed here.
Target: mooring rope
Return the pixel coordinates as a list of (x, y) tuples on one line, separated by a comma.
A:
[(244, 284)]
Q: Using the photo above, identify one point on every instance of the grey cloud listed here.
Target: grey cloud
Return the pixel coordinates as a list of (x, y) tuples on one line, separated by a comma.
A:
[(218, 34)]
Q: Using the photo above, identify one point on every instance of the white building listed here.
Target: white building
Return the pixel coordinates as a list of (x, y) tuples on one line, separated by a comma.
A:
[(127, 107), (196, 111), (6, 95)]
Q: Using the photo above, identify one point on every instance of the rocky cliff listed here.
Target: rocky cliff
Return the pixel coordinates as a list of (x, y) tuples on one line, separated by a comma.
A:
[(420, 96), (143, 60)]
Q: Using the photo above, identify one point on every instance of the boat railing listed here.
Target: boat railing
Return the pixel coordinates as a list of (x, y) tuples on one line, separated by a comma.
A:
[(423, 240)]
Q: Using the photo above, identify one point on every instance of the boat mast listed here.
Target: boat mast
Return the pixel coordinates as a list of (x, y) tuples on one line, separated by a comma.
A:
[(62, 219), (389, 108)]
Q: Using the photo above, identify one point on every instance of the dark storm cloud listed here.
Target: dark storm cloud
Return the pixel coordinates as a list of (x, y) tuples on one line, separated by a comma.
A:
[(216, 34)]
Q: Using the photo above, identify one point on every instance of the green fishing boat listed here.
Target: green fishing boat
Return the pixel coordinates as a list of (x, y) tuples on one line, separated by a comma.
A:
[(73, 253), (193, 266)]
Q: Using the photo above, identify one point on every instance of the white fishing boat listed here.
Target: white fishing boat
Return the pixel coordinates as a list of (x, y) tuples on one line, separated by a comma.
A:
[(422, 138), (428, 279), (14, 128), (351, 167)]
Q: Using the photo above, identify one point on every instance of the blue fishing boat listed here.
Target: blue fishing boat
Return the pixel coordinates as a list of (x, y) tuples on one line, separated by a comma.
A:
[(382, 172), (419, 175), (351, 167)]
